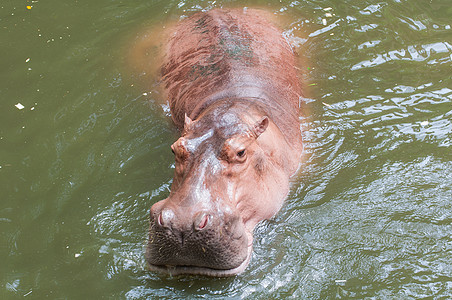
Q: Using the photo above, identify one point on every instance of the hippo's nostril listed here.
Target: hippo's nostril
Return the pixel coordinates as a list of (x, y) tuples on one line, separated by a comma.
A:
[(165, 217), (201, 221)]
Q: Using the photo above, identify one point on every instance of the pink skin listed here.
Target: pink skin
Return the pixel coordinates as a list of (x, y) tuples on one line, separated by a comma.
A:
[(224, 172), (231, 81)]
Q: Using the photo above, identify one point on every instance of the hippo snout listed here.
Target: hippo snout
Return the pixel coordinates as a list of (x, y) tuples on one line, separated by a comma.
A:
[(190, 237), (167, 219)]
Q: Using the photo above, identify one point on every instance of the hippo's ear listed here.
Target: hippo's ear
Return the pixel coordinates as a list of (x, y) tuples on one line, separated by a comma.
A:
[(187, 123), (260, 126)]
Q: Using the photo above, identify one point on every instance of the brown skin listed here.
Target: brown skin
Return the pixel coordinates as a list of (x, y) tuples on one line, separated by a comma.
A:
[(232, 86)]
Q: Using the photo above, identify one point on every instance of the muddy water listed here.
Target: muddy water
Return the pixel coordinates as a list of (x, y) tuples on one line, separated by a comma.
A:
[(87, 152)]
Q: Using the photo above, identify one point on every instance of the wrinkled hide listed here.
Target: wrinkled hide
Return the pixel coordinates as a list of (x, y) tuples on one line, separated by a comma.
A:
[(231, 82)]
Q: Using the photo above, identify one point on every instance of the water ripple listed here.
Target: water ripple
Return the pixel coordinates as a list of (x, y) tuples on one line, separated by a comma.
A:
[(417, 53)]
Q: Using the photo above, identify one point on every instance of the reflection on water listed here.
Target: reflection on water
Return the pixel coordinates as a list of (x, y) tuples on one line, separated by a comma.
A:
[(412, 53), (80, 165)]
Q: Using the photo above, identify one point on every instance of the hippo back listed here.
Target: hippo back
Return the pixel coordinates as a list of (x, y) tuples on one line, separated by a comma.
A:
[(232, 54)]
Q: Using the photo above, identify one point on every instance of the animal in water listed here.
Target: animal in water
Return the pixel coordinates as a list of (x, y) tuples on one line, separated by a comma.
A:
[(233, 88)]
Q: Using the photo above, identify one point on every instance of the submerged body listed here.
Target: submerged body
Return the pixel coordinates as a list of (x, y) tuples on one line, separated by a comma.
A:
[(232, 85)]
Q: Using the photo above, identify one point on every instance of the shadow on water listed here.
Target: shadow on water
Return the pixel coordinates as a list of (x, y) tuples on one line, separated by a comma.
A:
[(369, 214)]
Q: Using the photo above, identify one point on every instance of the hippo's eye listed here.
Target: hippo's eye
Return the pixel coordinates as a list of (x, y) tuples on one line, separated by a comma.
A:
[(241, 154), (235, 149), (179, 151)]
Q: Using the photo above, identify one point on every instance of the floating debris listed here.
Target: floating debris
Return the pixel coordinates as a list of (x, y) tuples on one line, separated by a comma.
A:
[(341, 282), (28, 293), (29, 6), (327, 8), (27, 60), (19, 106)]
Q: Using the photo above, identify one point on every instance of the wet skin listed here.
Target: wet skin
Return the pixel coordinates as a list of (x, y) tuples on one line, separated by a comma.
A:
[(232, 85)]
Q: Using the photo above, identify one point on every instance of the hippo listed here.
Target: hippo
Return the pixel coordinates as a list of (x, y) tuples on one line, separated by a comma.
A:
[(231, 81)]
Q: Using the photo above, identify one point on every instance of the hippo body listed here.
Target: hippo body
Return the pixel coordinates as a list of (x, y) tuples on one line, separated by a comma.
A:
[(231, 81)]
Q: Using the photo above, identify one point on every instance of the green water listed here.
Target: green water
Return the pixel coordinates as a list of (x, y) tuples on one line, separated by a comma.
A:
[(369, 216)]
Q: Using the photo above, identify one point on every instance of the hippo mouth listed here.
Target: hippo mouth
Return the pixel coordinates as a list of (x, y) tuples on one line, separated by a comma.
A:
[(203, 271), (174, 268)]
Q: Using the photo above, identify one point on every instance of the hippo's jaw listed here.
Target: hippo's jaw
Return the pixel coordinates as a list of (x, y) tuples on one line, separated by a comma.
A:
[(204, 271), (195, 257), (218, 245)]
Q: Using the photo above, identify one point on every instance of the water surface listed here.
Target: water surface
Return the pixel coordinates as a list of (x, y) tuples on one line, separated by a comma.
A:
[(369, 215)]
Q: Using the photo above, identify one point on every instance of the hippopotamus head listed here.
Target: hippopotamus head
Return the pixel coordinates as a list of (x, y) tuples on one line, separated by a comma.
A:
[(229, 175)]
